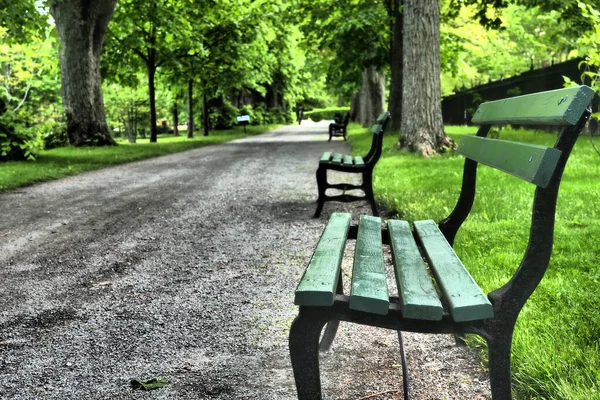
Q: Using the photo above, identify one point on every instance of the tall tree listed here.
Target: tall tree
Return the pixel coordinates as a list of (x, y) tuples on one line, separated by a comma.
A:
[(422, 128), (394, 8), (81, 26)]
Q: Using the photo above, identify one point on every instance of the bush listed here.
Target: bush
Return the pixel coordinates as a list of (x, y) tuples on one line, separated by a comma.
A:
[(17, 142), (53, 134), (223, 118), (325, 113)]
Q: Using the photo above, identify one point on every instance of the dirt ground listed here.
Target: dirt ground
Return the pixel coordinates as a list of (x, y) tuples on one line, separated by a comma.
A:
[(184, 267)]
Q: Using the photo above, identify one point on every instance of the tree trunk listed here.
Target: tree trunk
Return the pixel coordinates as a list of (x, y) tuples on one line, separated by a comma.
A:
[(422, 128), (205, 120), (175, 119), (371, 96), (395, 100), (151, 66), (190, 122), (355, 107), (81, 26)]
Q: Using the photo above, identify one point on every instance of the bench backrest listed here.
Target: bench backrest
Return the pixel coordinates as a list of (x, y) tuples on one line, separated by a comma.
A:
[(540, 165), (346, 119), (378, 130)]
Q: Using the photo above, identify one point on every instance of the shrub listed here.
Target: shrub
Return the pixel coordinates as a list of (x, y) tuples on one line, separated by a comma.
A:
[(53, 134), (325, 113), (17, 142), (224, 117)]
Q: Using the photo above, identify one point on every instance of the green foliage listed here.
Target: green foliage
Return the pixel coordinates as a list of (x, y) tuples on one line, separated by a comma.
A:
[(53, 134), (589, 45), (556, 354), (223, 117), (529, 37), (16, 141), (325, 113)]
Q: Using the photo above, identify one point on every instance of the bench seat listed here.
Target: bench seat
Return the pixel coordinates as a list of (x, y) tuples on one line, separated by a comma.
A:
[(454, 291), (342, 159)]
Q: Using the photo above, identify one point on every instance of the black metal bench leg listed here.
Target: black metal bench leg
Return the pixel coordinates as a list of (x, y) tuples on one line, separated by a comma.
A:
[(368, 188), (304, 353), (333, 325), (404, 365), (499, 347), (322, 187)]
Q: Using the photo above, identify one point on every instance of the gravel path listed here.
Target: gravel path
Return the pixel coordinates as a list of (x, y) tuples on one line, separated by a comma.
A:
[(184, 266)]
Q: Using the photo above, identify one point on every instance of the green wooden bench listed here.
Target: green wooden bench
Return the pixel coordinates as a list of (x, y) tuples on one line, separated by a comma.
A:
[(436, 293), (359, 165), (339, 128)]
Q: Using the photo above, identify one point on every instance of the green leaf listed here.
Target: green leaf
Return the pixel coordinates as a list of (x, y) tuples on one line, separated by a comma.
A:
[(149, 384)]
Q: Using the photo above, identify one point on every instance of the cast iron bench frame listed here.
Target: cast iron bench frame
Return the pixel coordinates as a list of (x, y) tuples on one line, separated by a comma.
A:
[(339, 129), (359, 165), (463, 308)]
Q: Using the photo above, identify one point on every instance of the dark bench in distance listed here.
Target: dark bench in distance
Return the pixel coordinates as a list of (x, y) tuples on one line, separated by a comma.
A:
[(454, 303), (359, 165), (339, 129)]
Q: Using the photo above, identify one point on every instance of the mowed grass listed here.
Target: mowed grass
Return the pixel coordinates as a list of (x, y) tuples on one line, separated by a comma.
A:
[(556, 347), (66, 161)]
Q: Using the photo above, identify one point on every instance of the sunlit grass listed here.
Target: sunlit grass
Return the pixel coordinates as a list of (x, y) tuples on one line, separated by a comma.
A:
[(66, 161), (556, 347)]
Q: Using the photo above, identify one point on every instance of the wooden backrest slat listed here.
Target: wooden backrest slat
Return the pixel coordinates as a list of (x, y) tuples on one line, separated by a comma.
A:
[(554, 107), (369, 283), (418, 297), (465, 299), (533, 163), (318, 284)]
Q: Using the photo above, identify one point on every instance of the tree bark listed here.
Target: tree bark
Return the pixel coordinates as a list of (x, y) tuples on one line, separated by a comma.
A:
[(205, 120), (190, 121), (81, 27), (151, 66), (395, 100), (371, 96), (422, 128), (175, 119)]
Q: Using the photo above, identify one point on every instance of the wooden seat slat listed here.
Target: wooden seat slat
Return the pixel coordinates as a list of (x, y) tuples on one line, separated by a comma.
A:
[(418, 297), (533, 163), (325, 158), (359, 162), (318, 284), (369, 291), (337, 158), (348, 160), (466, 301)]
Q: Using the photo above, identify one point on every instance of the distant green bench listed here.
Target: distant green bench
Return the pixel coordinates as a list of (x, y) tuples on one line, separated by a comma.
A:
[(339, 128), (436, 292), (352, 164)]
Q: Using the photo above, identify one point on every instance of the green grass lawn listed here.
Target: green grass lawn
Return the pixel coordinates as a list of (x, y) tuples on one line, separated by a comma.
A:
[(556, 347), (61, 162)]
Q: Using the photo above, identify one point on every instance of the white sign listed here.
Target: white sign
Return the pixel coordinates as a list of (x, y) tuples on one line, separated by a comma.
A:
[(242, 118)]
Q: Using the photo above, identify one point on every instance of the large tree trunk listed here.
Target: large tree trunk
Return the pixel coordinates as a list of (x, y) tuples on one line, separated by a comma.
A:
[(395, 100), (151, 66), (81, 26), (371, 96), (422, 128), (190, 121)]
